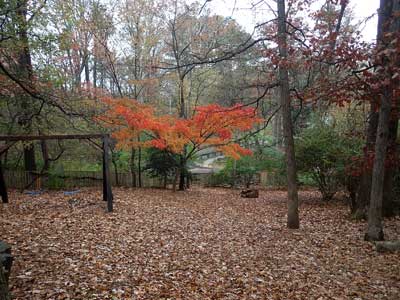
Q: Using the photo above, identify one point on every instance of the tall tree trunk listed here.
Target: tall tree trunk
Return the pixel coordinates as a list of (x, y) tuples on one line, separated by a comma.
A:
[(29, 158), (87, 69), (183, 115), (94, 74), (364, 189), (375, 229), (277, 122), (293, 211), (26, 74), (388, 201), (388, 22), (182, 104), (181, 180)]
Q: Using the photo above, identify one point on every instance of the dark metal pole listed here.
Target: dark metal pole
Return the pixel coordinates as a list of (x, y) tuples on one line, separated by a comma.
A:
[(107, 192)]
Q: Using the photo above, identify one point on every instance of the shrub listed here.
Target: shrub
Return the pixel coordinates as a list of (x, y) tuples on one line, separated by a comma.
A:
[(161, 163), (323, 153), (244, 171)]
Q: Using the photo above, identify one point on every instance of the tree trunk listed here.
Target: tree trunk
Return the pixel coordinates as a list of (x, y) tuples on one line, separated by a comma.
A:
[(375, 229), (388, 201), (388, 22), (94, 72), (364, 189), (182, 106), (25, 72), (87, 69), (29, 158), (182, 172), (293, 211)]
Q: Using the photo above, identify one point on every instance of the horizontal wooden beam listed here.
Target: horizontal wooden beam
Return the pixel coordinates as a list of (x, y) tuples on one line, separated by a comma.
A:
[(51, 137)]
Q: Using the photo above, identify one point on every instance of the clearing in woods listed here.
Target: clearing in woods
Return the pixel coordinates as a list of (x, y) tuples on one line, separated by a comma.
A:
[(198, 244)]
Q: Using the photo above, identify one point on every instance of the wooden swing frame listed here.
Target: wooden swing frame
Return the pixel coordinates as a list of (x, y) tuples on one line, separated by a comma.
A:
[(10, 140)]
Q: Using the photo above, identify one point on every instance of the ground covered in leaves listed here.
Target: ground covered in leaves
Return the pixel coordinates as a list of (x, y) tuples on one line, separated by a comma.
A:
[(199, 244)]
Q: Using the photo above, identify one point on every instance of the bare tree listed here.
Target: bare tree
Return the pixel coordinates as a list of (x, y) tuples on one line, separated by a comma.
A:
[(293, 211)]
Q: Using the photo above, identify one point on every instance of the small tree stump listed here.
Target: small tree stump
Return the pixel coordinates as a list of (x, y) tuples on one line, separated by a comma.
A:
[(249, 193)]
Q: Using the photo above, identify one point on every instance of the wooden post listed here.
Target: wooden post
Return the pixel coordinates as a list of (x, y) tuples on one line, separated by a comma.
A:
[(3, 189), (107, 192)]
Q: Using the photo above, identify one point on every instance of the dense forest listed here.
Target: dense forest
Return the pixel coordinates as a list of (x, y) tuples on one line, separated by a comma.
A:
[(302, 99)]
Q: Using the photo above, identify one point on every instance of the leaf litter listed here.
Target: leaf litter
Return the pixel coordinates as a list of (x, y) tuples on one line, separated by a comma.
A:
[(197, 244)]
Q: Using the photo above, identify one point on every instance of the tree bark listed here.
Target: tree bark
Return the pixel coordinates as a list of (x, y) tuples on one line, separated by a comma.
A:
[(388, 196), (293, 211), (364, 189), (181, 180), (375, 229), (94, 72), (388, 22), (29, 158), (25, 73)]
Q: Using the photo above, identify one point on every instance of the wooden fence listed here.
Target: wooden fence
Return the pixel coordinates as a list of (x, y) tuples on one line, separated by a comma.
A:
[(71, 179), (18, 179)]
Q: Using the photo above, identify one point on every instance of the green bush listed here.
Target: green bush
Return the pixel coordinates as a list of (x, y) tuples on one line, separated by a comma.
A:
[(323, 154), (161, 163), (54, 181), (243, 172)]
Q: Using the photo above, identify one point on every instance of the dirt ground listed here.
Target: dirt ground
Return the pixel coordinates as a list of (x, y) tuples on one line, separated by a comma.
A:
[(198, 244)]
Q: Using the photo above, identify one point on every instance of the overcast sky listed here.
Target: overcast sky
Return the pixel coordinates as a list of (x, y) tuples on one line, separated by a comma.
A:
[(248, 17)]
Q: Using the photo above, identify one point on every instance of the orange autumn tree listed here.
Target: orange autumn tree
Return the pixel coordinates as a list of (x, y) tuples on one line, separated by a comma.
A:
[(210, 126)]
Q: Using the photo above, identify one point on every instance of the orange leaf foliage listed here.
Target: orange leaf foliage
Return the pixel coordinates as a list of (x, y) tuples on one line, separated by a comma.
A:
[(211, 126)]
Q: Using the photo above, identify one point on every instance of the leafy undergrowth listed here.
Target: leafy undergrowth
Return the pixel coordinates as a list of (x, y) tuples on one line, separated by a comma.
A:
[(199, 244)]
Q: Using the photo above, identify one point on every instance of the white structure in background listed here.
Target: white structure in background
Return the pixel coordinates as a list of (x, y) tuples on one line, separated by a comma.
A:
[(209, 161)]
